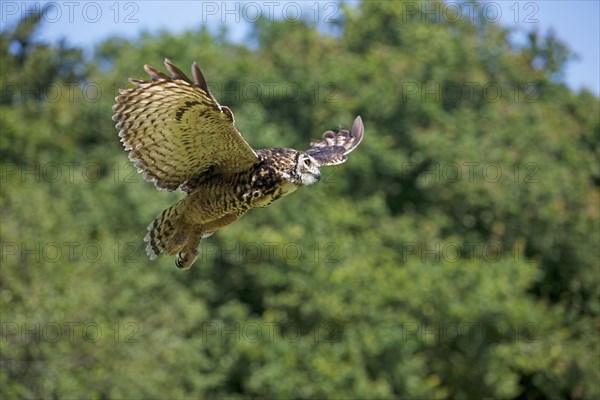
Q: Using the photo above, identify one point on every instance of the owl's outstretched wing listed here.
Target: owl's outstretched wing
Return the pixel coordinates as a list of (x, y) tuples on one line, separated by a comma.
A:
[(175, 130), (335, 147)]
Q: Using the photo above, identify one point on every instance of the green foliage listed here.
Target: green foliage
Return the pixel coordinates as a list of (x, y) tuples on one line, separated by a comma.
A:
[(454, 255)]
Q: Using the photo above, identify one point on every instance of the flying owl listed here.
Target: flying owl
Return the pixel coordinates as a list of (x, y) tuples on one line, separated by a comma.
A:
[(178, 136)]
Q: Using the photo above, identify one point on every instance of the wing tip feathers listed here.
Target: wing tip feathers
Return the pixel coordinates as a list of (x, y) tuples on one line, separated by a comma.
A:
[(358, 130)]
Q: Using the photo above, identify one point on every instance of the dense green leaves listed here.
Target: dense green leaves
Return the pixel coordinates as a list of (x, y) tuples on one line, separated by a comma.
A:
[(454, 255)]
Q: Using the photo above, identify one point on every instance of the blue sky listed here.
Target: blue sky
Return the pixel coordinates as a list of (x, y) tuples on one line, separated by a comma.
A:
[(84, 23)]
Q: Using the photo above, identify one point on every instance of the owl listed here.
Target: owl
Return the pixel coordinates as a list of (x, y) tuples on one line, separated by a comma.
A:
[(178, 136)]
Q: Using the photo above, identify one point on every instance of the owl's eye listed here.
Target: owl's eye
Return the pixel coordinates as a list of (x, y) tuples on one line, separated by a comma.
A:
[(307, 162)]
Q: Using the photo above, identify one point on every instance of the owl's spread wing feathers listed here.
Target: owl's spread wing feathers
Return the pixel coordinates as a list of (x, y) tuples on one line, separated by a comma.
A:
[(175, 130), (335, 147)]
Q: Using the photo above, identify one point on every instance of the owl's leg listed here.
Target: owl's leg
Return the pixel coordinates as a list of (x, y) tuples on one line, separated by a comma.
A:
[(190, 251)]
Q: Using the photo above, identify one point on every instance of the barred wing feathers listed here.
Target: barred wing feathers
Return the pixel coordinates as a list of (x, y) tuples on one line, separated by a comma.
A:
[(335, 147), (174, 129)]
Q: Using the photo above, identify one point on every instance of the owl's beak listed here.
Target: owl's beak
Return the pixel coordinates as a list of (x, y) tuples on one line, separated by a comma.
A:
[(311, 177), (316, 173)]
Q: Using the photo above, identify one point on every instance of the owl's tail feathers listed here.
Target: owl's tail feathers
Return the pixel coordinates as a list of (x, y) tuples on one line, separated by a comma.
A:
[(165, 233)]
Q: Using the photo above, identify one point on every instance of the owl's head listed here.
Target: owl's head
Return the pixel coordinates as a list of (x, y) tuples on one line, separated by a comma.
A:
[(307, 169)]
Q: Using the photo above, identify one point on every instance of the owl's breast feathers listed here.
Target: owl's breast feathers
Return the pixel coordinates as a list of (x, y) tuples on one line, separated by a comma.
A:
[(273, 176), (268, 180)]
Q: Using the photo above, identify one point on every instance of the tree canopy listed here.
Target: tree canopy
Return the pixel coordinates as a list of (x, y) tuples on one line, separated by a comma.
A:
[(454, 255)]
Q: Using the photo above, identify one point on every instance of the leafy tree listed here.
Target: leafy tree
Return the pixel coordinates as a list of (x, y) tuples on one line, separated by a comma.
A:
[(455, 254)]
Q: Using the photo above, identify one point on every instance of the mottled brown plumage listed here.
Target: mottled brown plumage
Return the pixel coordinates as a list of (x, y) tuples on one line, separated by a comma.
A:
[(178, 135)]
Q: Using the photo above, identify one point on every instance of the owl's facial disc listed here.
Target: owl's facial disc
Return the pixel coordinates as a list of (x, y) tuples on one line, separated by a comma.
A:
[(307, 169)]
